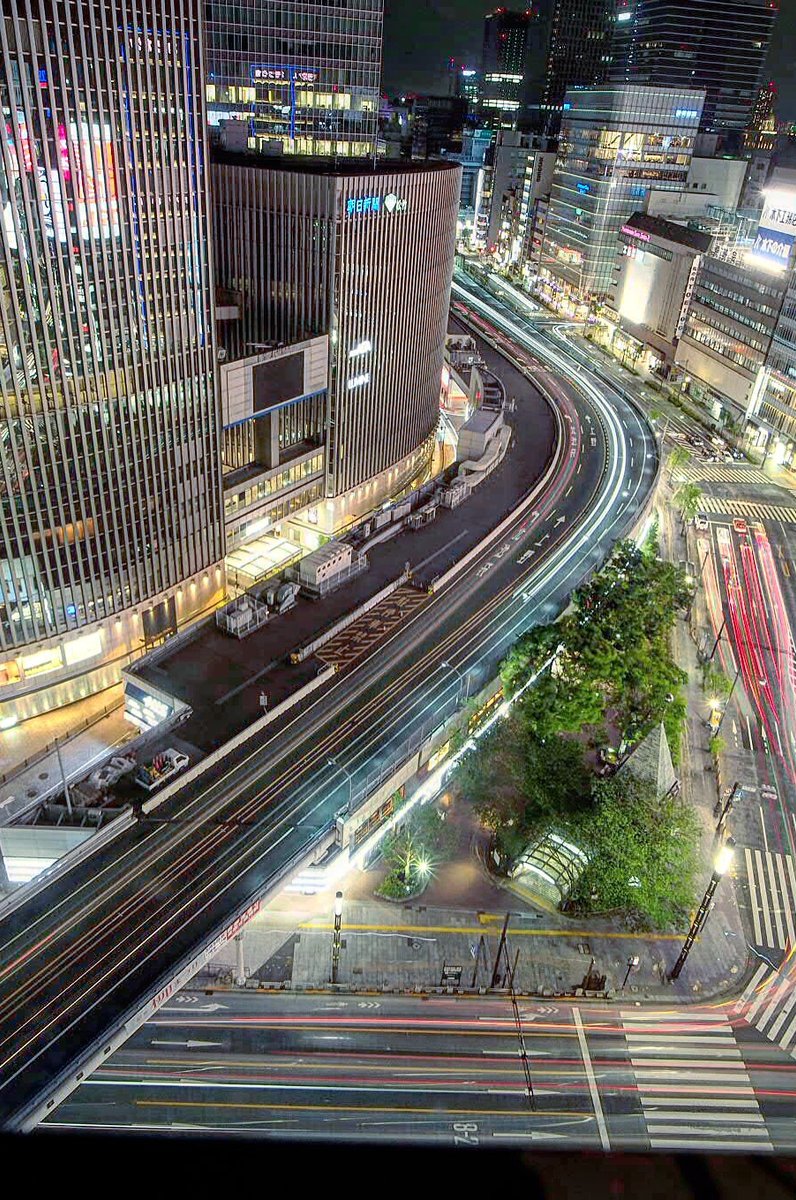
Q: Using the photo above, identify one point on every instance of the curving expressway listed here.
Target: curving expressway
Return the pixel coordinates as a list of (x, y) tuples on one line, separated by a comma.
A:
[(83, 960)]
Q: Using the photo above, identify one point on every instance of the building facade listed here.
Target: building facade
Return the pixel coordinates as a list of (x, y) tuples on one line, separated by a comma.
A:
[(657, 268), (503, 65), (733, 313), (364, 255), (300, 78), (616, 144), (111, 535), (718, 45), (569, 45)]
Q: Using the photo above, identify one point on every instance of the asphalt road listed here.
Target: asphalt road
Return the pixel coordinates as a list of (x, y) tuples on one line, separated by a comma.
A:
[(446, 1070), (100, 943)]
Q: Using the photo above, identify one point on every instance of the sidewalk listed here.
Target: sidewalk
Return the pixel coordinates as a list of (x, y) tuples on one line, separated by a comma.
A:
[(79, 748), (458, 922)]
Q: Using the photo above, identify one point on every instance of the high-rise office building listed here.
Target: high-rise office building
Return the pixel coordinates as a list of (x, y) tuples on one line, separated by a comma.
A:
[(302, 78), (503, 64), (569, 45), (616, 144), (718, 45), (110, 527), (362, 254)]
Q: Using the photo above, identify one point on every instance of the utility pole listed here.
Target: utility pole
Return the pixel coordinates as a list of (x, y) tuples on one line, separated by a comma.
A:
[(501, 946), (718, 639), (67, 796), (338, 922), (723, 811)]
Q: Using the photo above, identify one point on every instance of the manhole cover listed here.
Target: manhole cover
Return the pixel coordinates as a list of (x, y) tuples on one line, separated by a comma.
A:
[(44, 774), (31, 792)]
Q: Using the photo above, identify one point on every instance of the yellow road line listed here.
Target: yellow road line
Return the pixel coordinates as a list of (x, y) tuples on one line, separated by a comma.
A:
[(323, 926), (372, 1108)]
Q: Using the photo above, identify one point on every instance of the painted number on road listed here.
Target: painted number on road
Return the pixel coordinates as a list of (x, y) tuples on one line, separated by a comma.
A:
[(465, 1133)]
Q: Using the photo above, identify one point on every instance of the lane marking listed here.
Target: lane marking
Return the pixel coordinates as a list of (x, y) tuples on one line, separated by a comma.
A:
[(592, 1082)]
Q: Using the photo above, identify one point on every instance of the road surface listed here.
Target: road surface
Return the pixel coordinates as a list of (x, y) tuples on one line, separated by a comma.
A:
[(96, 949)]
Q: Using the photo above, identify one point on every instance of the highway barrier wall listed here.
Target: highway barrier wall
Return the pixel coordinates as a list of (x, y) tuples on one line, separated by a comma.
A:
[(250, 731), (77, 855), (298, 656)]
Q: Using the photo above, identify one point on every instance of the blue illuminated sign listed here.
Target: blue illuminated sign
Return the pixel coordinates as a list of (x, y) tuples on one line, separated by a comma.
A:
[(374, 204), (688, 114), (362, 204), (583, 188)]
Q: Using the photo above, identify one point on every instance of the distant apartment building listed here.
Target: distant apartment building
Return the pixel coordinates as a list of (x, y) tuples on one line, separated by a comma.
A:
[(568, 45), (616, 145), (299, 78)]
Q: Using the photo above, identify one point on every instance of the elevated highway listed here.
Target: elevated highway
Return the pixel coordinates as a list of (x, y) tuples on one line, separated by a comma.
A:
[(95, 953)]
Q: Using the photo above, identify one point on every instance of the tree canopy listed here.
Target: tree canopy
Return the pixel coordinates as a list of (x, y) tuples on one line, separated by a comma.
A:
[(614, 653)]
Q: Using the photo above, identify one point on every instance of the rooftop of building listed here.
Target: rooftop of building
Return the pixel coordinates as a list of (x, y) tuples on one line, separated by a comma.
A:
[(343, 168), (670, 231)]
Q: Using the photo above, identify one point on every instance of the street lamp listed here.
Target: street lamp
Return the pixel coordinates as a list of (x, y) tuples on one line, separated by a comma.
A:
[(632, 963), (338, 921), (721, 865), (344, 770), (463, 678)]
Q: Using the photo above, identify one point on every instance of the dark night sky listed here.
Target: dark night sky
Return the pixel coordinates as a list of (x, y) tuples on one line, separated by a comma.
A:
[(421, 35)]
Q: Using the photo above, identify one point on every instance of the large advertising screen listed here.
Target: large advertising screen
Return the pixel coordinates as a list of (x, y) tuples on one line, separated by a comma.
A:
[(776, 234)]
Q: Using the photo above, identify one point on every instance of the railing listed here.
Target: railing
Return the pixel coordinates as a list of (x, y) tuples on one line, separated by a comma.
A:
[(56, 743)]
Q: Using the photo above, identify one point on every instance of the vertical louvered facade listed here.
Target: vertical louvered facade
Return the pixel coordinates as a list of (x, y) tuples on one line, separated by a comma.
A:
[(109, 464), (366, 255)]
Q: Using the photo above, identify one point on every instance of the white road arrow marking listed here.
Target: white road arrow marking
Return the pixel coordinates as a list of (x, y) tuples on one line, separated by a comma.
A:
[(192, 1045)]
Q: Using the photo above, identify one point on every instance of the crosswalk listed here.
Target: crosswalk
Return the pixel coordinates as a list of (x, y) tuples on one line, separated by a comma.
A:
[(768, 1003), (692, 1082), (748, 508), (772, 896), (721, 473)]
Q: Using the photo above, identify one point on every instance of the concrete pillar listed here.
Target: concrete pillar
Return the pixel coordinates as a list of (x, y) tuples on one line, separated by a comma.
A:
[(266, 440), (240, 968)]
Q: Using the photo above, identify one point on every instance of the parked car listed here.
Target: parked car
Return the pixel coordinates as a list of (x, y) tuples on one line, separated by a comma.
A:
[(740, 526), (701, 520)]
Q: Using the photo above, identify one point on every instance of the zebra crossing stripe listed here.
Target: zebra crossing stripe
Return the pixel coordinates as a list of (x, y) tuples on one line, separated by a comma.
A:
[(783, 891), (772, 893), (751, 985), (719, 1110), (773, 1032), (777, 994), (753, 898)]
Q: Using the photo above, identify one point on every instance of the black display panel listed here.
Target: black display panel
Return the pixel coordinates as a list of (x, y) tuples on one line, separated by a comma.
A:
[(278, 381)]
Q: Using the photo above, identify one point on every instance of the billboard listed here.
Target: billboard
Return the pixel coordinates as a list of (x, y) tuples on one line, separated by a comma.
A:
[(776, 234)]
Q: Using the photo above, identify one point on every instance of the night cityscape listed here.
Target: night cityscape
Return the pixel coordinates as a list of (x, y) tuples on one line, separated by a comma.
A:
[(398, 584)]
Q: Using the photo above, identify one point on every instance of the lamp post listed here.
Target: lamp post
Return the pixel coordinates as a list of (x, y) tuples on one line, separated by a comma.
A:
[(463, 678), (721, 866), (344, 770), (727, 701), (632, 963), (338, 921)]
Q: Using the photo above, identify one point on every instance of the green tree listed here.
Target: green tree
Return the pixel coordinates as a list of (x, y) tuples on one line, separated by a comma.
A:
[(716, 683), (688, 498), (518, 782), (679, 457), (642, 853)]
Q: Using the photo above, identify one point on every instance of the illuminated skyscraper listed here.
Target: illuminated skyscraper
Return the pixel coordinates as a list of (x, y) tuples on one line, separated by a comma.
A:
[(301, 77), (110, 528), (503, 67), (718, 45), (569, 45)]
